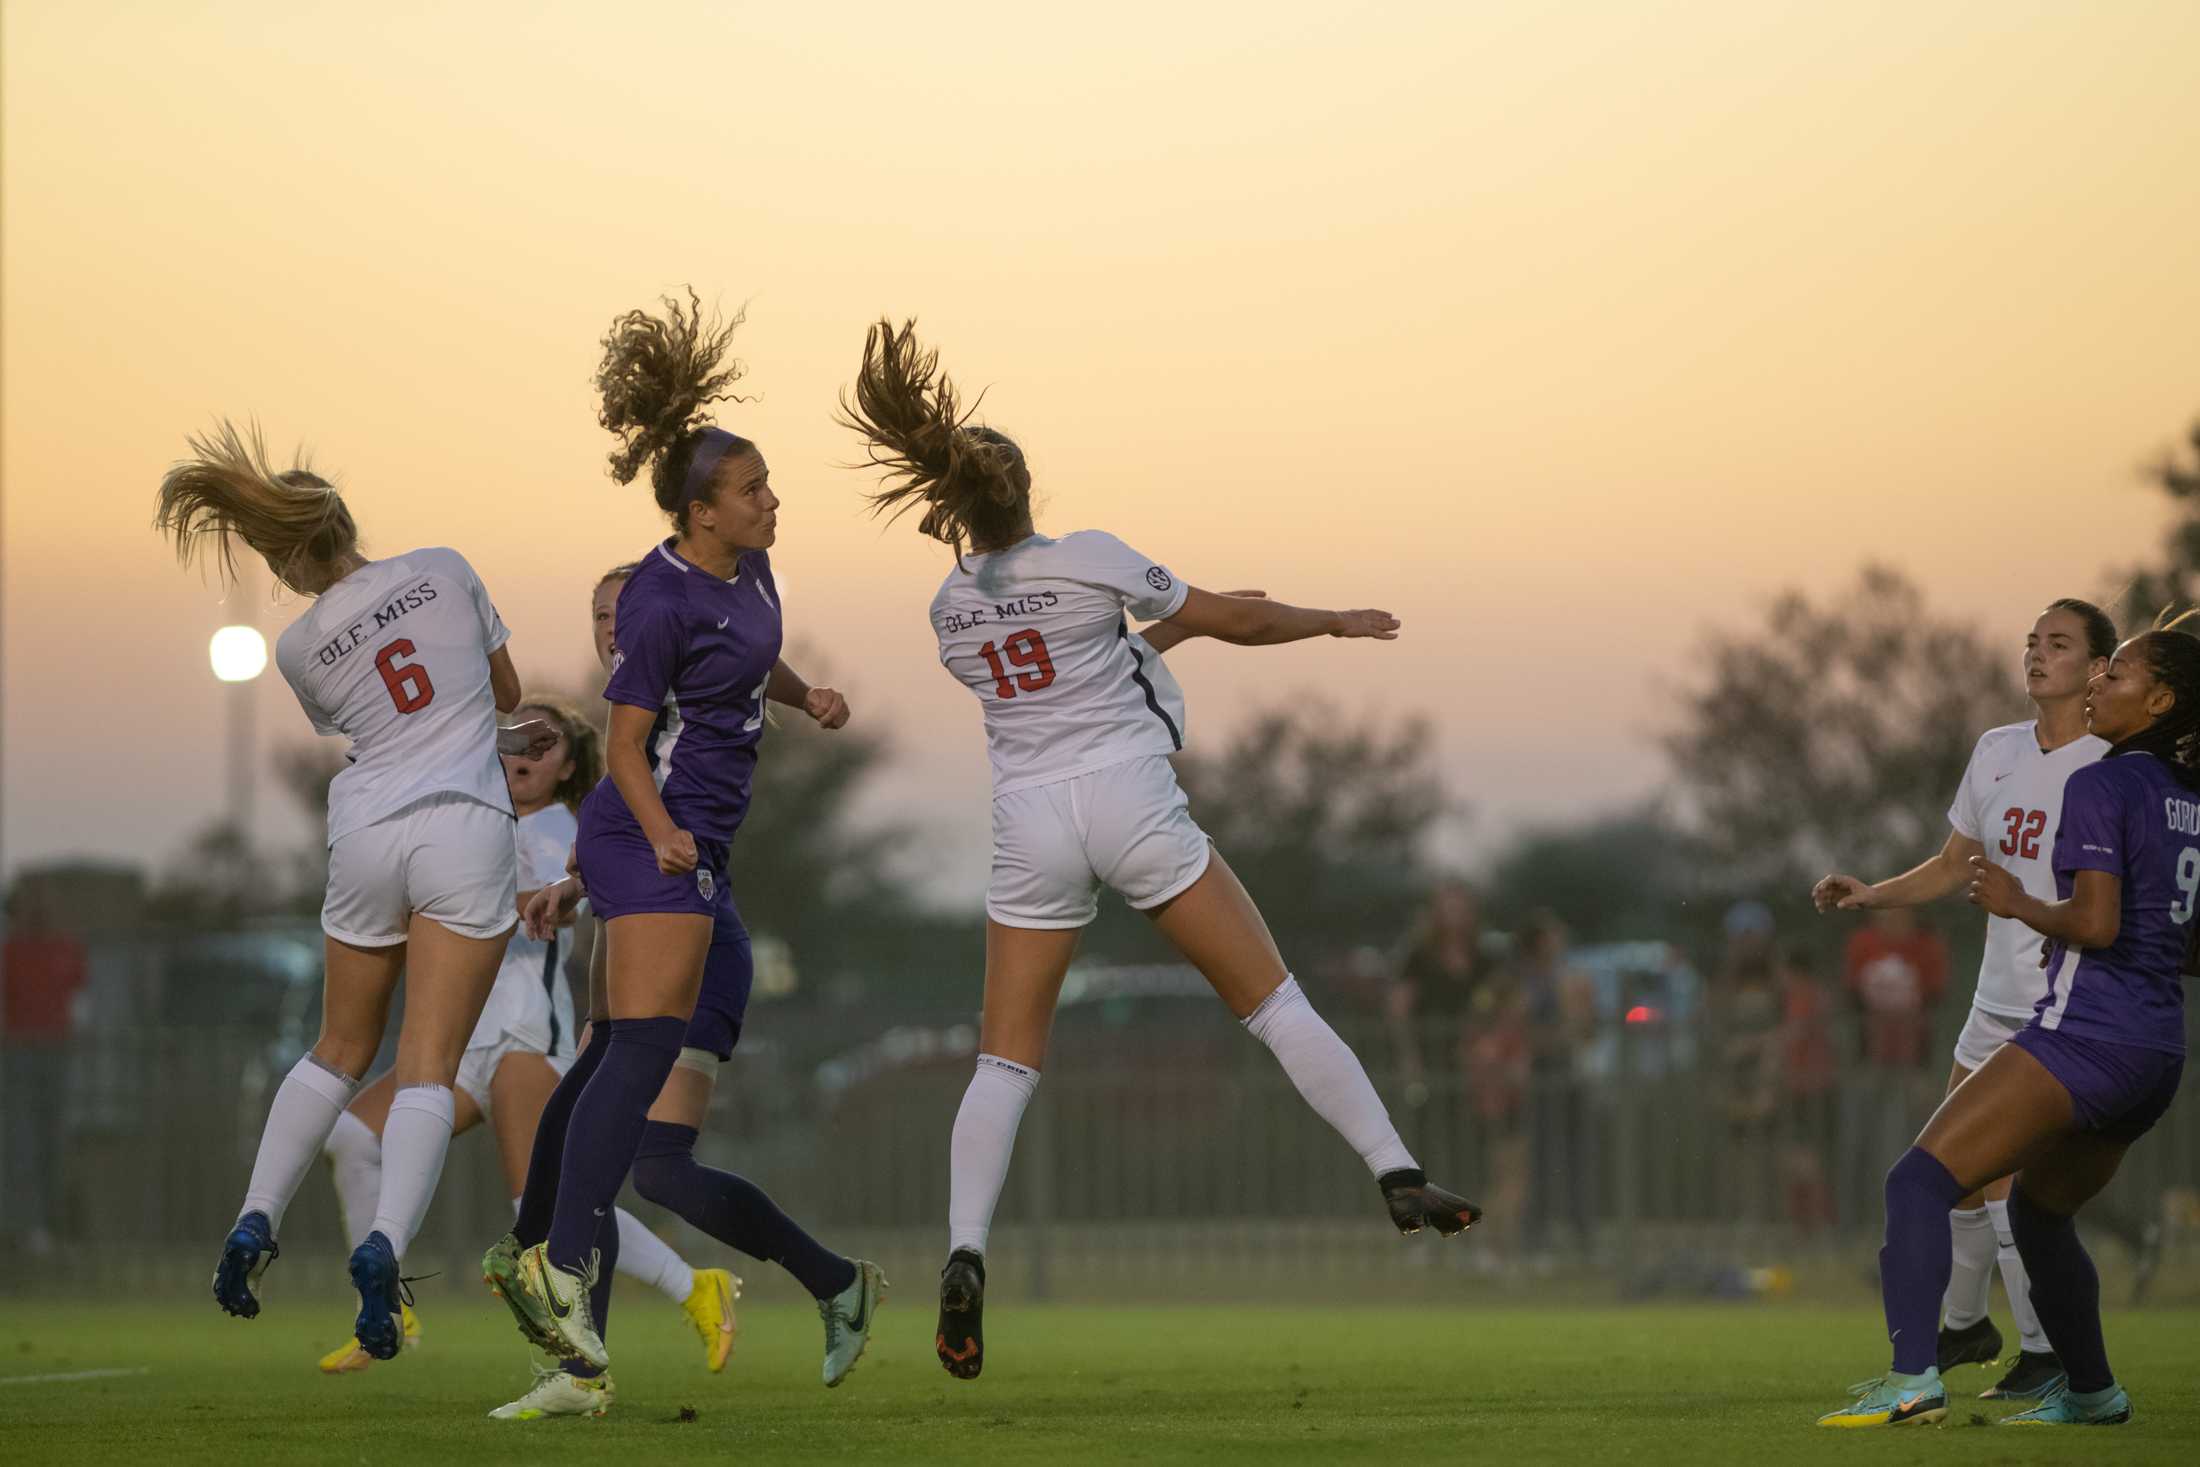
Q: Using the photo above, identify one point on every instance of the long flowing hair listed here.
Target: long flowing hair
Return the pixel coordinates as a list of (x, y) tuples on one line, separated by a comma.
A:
[(227, 491)]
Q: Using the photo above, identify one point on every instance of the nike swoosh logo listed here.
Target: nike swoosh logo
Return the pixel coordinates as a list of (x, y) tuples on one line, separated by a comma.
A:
[(722, 622), (550, 1297), (1997, 778), (863, 1321)]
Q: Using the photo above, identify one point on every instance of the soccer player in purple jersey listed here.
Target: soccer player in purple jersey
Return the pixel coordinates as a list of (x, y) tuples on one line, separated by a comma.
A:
[(699, 636), (2097, 1066)]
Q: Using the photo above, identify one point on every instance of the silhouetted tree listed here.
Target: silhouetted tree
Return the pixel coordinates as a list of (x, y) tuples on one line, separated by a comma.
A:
[(2173, 578)]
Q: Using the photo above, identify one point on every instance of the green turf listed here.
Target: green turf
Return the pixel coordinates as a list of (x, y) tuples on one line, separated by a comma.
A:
[(1065, 1386)]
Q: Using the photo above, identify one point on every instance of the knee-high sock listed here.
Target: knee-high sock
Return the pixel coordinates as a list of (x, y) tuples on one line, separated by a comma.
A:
[(984, 1138), (732, 1209), (354, 1155), (1328, 1075), (531, 1220), (415, 1139), (2013, 1279), (1971, 1278), (2065, 1290), (1914, 1262), (599, 1296), (606, 1128), (305, 1109), (648, 1259)]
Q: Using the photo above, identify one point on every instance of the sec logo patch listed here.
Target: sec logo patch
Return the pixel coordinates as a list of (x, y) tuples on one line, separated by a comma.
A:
[(1158, 578)]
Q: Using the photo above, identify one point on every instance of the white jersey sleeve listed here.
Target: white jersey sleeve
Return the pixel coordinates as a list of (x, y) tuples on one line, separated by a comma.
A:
[(395, 657), (1963, 816), (1146, 588)]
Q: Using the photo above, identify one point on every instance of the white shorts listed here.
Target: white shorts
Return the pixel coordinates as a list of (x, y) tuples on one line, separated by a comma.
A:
[(446, 857), (1983, 1033), (1127, 826), (478, 1066)]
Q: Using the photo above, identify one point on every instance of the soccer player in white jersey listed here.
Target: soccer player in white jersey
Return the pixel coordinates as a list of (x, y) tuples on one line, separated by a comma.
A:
[(406, 657), (525, 1039), (1080, 720), (2008, 809)]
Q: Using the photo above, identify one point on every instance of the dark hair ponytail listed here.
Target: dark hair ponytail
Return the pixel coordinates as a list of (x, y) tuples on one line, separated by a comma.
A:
[(2173, 658), (972, 481), (657, 380), (2100, 627)]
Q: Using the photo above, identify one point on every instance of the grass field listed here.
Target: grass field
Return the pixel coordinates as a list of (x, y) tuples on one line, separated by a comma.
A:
[(1064, 1385)]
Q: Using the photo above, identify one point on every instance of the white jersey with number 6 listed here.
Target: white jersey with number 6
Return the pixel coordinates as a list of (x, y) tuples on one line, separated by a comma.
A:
[(2011, 803), (395, 657), (1040, 633)]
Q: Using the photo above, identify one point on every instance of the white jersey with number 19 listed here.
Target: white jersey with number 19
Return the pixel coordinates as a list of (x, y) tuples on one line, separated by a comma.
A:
[(1040, 633), (395, 657)]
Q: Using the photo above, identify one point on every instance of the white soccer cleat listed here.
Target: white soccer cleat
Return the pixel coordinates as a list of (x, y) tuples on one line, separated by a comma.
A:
[(848, 1317), (559, 1302), (559, 1393)]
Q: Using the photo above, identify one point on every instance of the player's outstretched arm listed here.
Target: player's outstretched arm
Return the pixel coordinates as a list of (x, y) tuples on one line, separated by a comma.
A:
[(504, 679), (1250, 622), (1161, 636), (1941, 875)]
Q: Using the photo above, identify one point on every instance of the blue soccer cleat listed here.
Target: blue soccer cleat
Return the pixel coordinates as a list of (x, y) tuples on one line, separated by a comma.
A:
[(381, 1305), (1893, 1400), (2066, 1407), (247, 1252)]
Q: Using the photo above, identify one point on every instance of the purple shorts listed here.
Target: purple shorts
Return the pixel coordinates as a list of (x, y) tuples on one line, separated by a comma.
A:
[(619, 868), (2118, 1090), (619, 871)]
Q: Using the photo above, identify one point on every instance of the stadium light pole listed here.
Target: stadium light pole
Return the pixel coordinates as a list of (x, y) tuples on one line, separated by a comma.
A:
[(239, 656)]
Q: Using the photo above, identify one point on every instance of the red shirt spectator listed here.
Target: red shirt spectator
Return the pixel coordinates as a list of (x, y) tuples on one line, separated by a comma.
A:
[(1897, 973), (40, 973), (1807, 1062)]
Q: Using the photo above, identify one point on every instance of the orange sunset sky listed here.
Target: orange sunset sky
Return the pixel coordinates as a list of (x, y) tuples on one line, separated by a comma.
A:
[(1565, 331)]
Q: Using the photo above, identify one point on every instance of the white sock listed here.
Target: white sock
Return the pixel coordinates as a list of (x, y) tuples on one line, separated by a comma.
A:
[(2018, 1284), (1971, 1284), (985, 1135), (648, 1259), (306, 1105), (354, 1154), (1328, 1075), (415, 1139)]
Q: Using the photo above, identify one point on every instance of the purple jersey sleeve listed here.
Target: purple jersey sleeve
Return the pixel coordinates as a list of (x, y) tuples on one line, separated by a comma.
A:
[(651, 643), (2093, 836)]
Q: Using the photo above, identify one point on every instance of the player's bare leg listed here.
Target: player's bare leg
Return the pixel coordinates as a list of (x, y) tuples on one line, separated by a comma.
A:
[(1215, 925)]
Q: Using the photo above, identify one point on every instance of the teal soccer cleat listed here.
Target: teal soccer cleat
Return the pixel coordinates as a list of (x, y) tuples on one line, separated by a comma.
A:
[(2065, 1407), (1893, 1400)]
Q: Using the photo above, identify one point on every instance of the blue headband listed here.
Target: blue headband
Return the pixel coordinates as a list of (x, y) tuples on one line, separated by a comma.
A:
[(710, 450)]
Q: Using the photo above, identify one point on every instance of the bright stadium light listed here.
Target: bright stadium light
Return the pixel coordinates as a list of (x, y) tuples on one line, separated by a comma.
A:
[(239, 654)]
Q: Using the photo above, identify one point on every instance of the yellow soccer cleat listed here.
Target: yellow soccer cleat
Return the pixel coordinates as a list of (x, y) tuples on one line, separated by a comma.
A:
[(709, 1307), (348, 1357)]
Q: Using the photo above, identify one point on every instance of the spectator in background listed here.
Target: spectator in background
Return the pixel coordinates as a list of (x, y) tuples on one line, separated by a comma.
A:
[(1439, 968), (1808, 1087), (41, 971), (1560, 1011), (1896, 973), (1493, 1050), (1746, 1013)]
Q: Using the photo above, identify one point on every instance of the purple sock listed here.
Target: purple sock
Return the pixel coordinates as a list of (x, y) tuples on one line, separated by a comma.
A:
[(546, 1160), (605, 1129), (2066, 1292), (599, 1298), (1917, 1258), (732, 1209)]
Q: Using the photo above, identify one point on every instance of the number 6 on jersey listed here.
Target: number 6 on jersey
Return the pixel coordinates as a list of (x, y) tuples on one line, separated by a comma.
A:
[(1025, 649), (409, 687)]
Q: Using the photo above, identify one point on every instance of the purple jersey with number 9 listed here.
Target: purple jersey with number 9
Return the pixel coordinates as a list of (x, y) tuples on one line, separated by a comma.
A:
[(2129, 816)]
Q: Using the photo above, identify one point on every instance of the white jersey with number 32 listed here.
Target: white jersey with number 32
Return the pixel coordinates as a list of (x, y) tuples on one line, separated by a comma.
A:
[(395, 657), (1041, 633), (2011, 803)]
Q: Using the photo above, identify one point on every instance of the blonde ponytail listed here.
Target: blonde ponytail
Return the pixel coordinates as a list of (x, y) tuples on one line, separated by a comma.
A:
[(226, 491)]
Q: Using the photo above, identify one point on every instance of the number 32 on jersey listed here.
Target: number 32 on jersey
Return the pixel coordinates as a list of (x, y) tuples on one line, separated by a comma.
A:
[(1026, 649)]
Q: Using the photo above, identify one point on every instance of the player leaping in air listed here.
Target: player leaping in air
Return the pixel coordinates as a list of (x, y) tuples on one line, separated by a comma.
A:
[(405, 657), (2010, 803), (1080, 720)]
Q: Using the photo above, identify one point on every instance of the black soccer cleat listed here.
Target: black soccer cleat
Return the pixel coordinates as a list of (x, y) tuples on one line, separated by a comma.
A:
[(961, 1341), (1415, 1204), (2031, 1378), (1974, 1344)]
